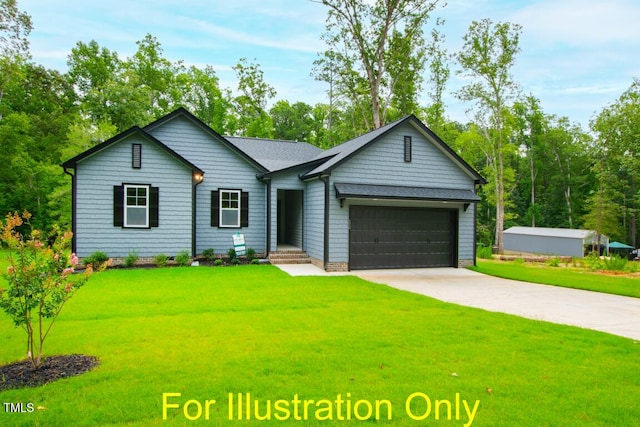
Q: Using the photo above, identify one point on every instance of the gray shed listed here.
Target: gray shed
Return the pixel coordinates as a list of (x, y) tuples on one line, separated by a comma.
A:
[(552, 241)]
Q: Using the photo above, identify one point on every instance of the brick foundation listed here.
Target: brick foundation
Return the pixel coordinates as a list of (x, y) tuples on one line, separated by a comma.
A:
[(331, 266), (463, 263)]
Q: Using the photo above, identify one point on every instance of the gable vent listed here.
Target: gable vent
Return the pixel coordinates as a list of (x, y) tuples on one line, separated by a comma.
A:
[(136, 156), (407, 149)]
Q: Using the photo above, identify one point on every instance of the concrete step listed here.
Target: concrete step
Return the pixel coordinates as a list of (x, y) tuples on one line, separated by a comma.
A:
[(289, 256)]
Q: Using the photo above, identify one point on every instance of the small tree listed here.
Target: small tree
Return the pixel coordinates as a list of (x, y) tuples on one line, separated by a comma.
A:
[(40, 279)]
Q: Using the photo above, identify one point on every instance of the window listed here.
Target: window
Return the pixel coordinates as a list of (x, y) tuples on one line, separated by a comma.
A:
[(136, 206), (136, 156), (407, 149), (229, 208)]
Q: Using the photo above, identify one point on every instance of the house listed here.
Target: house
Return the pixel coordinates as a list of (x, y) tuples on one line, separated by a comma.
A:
[(553, 241), (395, 197)]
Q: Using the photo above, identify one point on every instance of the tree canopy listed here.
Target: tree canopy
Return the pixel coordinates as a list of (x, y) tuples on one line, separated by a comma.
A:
[(542, 169)]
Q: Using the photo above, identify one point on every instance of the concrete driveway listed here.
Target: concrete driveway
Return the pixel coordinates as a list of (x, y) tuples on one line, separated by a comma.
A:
[(603, 312)]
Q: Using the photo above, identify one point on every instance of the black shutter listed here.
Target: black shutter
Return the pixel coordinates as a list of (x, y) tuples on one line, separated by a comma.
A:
[(154, 207), (244, 209), (215, 209), (118, 205)]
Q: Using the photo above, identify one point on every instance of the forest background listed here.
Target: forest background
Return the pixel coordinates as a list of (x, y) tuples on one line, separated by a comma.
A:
[(381, 58)]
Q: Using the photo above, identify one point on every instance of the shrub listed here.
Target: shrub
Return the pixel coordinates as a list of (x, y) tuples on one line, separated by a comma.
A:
[(217, 262), (255, 261), (161, 260), (183, 258), (131, 259), (97, 260), (592, 261), (235, 261), (251, 254), (40, 279), (231, 253), (483, 252), (614, 263), (209, 254), (553, 262)]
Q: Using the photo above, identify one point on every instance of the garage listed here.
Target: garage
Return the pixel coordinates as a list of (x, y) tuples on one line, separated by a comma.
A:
[(402, 237)]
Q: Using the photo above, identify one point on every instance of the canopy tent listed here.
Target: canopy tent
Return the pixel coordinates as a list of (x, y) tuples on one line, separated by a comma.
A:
[(621, 249), (618, 245)]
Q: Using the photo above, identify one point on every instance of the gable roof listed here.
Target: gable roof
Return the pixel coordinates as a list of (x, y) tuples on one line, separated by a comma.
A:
[(202, 125), (343, 152), (135, 130), (276, 155)]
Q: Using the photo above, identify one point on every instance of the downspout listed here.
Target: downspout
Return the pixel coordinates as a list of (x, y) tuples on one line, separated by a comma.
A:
[(268, 246), (73, 209), (475, 227), (326, 179), (197, 180)]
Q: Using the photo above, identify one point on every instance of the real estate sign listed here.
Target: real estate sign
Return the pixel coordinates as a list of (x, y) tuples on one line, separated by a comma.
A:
[(239, 245)]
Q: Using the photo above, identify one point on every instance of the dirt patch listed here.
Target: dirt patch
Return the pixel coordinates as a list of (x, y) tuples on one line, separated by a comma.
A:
[(22, 374)]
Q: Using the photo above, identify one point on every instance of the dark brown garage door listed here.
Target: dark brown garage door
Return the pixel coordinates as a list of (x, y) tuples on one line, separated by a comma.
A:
[(396, 237)]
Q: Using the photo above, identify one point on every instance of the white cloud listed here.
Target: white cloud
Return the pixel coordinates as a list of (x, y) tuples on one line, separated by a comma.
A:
[(580, 22)]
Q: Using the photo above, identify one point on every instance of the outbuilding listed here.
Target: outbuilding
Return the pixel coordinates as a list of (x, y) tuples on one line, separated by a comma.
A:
[(553, 241)]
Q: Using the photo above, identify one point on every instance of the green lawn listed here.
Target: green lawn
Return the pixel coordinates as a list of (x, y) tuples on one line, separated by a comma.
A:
[(561, 276), (207, 332)]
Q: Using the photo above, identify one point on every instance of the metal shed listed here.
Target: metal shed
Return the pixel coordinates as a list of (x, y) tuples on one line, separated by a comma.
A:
[(552, 241)]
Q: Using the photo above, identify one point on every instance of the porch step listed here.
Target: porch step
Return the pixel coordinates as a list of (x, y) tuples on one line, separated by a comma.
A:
[(289, 256)]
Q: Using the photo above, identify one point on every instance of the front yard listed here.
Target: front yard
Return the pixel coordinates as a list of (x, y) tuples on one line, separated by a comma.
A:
[(169, 340)]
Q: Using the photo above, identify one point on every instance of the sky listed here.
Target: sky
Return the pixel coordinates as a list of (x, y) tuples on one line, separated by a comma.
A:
[(577, 56)]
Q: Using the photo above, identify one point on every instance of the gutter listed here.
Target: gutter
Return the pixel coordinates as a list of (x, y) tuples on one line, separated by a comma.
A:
[(194, 194), (73, 208)]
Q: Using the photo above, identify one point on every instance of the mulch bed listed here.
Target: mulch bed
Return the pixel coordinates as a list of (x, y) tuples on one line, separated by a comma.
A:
[(21, 374)]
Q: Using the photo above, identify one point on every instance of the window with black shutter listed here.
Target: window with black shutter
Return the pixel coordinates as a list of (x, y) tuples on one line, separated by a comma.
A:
[(229, 208), (136, 206)]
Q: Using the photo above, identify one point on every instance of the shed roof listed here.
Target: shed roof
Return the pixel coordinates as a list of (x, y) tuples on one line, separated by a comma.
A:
[(569, 233), (367, 191)]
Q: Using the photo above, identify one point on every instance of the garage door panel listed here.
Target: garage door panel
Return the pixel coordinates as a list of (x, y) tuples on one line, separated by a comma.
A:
[(394, 237)]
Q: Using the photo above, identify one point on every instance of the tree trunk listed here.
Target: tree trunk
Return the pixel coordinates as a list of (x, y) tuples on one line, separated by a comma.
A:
[(533, 186), (500, 201)]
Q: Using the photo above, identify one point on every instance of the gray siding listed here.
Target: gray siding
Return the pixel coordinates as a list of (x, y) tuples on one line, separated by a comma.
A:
[(224, 169), (96, 176), (547, 245), (314, 219), (383, 163)]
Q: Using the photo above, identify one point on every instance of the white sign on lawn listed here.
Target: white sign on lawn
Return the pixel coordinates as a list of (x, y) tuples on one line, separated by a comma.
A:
[(239, 245)]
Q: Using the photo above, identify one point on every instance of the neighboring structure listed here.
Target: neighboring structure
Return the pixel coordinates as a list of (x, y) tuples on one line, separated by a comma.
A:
[(395, 197), (553, 241)]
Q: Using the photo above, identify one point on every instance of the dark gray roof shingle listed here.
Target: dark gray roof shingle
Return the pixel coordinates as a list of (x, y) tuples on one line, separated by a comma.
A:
[(275, 155)]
